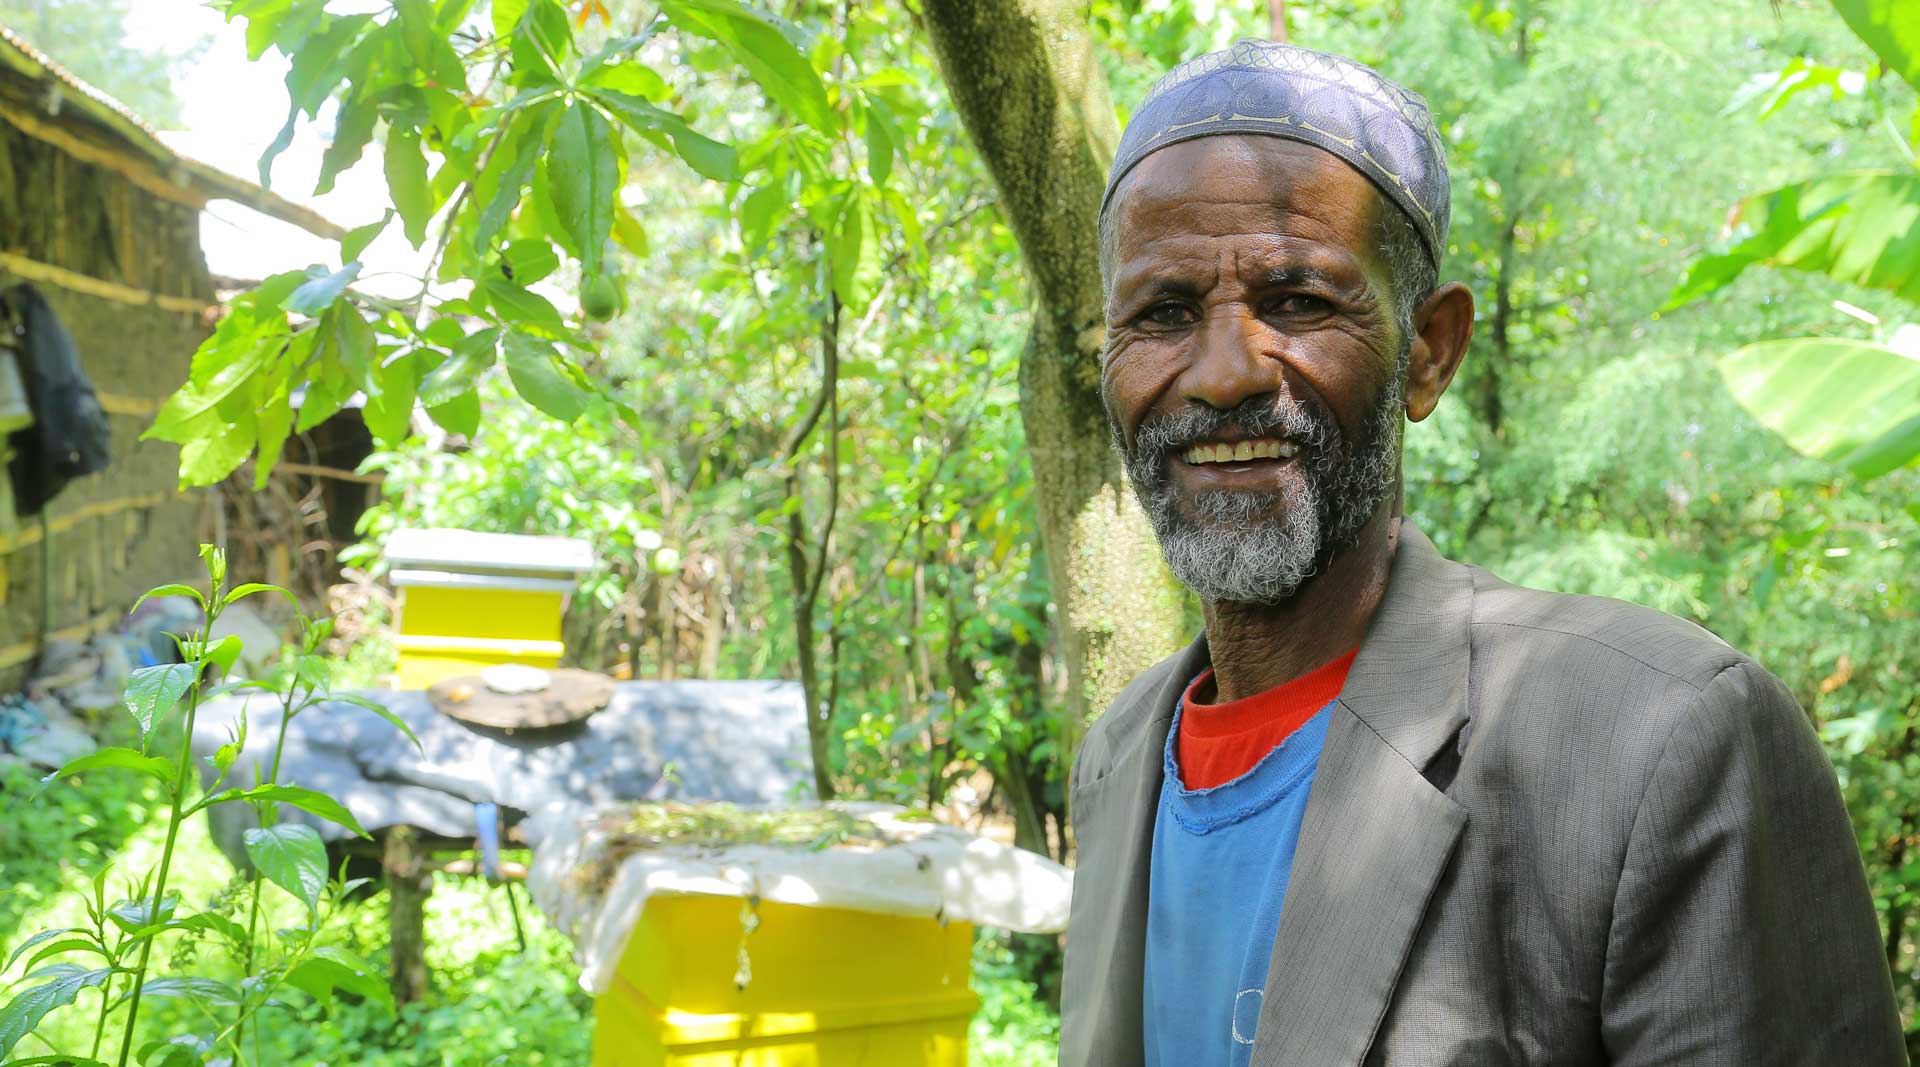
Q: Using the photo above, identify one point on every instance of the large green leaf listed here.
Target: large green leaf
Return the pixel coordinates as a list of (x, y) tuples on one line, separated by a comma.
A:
[(708, 157), (460, 372), (25, 1011), (114, 759), (407, 184), (153, 692), (1862, 228), (583, 175), (321, 288), (292, 857), (331, 967), (1891, 28), (767, 46), (856, 254), (1851, 402), (543, 379), (308, 800)]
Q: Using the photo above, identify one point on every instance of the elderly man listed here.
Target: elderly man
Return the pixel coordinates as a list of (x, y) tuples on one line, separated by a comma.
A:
[(1388, 809)]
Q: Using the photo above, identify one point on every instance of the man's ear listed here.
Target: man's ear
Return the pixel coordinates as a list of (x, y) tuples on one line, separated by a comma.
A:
[(1442, 326)]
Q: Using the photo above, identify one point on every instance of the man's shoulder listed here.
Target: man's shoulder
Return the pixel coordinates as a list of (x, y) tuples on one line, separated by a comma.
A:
[(1582, 638)]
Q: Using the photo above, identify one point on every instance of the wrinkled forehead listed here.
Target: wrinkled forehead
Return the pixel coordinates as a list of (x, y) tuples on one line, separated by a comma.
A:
[(1284, 192)]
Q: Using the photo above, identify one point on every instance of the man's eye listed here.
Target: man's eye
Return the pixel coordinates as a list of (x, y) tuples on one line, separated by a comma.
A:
[(1300, 304), (1169, 314)]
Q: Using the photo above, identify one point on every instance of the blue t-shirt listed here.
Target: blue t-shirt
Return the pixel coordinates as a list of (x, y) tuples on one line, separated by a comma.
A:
[(1221, 860)]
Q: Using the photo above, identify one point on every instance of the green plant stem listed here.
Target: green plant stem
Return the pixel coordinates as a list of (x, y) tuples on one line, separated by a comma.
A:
[(174, 816), (267, 818), (100, 1024)]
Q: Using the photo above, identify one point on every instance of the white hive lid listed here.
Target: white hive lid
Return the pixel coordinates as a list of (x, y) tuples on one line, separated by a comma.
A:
[(468, 551)]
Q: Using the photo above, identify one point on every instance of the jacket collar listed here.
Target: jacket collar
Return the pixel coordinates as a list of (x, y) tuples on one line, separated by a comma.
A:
[(1377, 834), (1409, 682)]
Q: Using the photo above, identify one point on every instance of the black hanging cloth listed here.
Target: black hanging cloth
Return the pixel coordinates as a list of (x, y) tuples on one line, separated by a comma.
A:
[(69, 435)]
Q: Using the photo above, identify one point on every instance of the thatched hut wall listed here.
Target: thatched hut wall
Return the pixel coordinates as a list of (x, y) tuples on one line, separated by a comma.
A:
[(113, 241)]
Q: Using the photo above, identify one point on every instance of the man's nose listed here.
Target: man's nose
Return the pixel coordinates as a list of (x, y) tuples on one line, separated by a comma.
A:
[(1233, 361)]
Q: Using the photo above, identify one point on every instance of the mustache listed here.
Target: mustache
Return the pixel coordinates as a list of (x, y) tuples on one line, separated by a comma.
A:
[(1305, 424)]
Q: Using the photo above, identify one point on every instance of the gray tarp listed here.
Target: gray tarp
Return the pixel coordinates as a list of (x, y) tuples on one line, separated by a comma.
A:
[(744, 742)]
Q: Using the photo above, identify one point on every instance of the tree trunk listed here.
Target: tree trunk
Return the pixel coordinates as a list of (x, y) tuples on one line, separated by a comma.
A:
[(807, 575), (1029, 88)]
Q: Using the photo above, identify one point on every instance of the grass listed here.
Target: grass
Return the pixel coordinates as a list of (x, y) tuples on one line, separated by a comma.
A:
[(491, 1002)]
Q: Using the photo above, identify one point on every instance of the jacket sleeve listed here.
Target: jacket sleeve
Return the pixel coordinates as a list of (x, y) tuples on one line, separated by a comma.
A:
[(1743, 931)]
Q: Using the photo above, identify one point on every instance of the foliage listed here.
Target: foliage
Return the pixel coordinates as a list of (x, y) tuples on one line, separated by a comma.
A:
[(1853, 402), (1015, 1027), (117, 940)]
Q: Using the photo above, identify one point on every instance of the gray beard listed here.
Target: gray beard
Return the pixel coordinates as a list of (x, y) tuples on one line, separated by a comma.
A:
[(1260, 548)]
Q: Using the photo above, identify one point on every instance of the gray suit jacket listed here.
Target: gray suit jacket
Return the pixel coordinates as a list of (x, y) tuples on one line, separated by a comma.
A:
[(1546, 829)]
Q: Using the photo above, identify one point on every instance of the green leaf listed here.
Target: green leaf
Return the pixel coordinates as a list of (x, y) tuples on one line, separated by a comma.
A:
[(1862, 228), (500, 183), (153, 692), (507, 15), (633, 78), (209, 459), (207, 992), (114, 759), (241, 592), (135, 915), (1851, 402), (459, 415), (330, 967), (856, 254), (760, 212), (293, 796), (879, 147), (520, 307), (292, 857), (322, 288), (389, 408), (171, 589), (530, 260), (583, 176), (222, 654), (381, 710), (272, 425), (358, 238), (1896, 448), (709, 158), (1891, 28), (766, 46), (61, 948), (24, 1012), (40, 938), (460, 372), (351, 132), (542, 380), (407, 183)]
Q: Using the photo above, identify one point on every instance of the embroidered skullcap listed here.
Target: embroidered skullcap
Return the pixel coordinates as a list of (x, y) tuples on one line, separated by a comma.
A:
[(1331, 102)]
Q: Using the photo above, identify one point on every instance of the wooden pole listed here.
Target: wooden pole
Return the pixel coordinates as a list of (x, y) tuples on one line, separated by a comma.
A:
[(1277, 14), (408, 884)]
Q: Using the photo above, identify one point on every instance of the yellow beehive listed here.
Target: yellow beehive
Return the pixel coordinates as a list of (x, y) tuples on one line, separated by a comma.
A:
[(471, 600), (829, 987)]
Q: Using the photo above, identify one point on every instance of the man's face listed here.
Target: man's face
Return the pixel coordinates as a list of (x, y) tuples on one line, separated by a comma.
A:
[(1253, 371)]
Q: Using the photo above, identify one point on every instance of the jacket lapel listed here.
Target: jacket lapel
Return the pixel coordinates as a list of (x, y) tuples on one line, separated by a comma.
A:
[(1113, 818), (1377, 834)]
